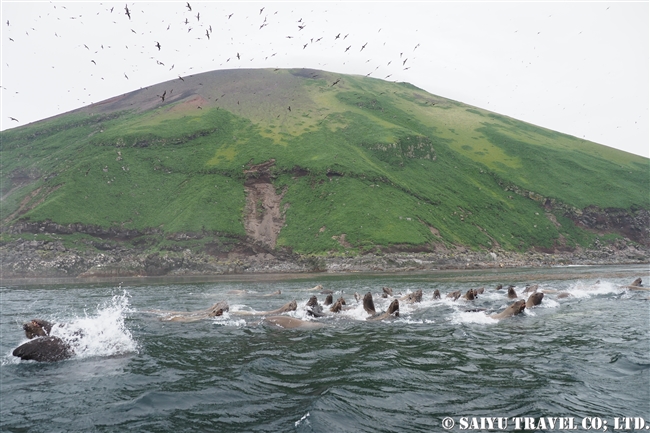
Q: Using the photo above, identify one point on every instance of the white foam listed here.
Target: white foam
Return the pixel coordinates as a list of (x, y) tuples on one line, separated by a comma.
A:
[(472, 317), (102, 333)]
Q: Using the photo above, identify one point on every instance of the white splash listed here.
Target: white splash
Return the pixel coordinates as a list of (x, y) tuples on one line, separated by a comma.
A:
[(101, 334), (304, 418)]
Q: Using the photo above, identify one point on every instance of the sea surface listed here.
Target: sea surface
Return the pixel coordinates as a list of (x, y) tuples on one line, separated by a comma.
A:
[(584, 358)]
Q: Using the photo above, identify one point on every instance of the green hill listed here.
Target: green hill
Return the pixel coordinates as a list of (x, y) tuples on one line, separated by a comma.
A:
[(315, 163)]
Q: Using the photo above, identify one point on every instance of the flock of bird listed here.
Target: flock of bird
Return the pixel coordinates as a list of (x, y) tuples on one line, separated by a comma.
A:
[(195, 25)]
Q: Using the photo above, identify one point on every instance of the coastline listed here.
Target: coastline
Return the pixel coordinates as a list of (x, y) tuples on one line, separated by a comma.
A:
[(459, 266)]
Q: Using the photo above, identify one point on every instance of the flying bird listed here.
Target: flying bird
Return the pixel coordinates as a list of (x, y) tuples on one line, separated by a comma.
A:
[(158, 45), (261, 11), (337, 36), (127, 77), (363, 46), (230, 15), (238, 58), (207, 33), (336, 82), (94, 62), (181, 78), (188, 6), (346, 50), (14, 119), (128, 13), (301, 27), (198, 14), (163, 95)]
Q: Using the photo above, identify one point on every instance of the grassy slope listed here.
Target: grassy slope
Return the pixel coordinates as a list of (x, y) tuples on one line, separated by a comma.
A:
[(417, 169)]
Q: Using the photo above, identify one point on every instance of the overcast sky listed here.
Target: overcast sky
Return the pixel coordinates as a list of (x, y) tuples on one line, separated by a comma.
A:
[(580, 68)]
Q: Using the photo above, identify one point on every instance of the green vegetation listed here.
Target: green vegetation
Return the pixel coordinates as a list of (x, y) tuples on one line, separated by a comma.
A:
[(362, 165)]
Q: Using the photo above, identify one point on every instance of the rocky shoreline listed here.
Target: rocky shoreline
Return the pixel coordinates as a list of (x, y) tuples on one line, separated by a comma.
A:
[(25, 259)]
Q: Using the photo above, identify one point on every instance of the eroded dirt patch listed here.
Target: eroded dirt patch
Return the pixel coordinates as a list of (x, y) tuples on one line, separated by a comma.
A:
[(263, 215)]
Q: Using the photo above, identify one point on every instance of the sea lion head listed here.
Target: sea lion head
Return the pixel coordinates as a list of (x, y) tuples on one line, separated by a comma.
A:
[(313, 301), (328, 300), (534, 299), (454, 295), (436, 294), (338, 305), (417, 296), (387, 291), (393, 308), (470, 295), (37, 328), (517, 307), (499, 287), (511, 293), (480, 290), (218, 309), (368, 304)]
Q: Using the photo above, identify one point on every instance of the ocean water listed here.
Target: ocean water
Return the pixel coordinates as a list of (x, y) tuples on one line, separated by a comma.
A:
[(584, 359)]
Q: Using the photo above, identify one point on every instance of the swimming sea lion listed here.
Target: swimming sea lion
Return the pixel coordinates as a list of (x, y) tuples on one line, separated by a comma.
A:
[(42, 347), (511, 310), (313, 309), (480, 290), (531, 289), (436, 294), (511, 293), (192, 316), (470, 295), (412, 298), (288, 322), (328, 300), (289, 306), (387, 291), (368, 304), (316, 288), (393, 311), (37, 328), (534, 299), (499, 287), (454, 295), (563, 295), (338, 305), (636, 285)]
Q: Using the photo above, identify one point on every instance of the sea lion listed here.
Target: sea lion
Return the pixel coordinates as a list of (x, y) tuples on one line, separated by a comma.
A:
[(42, 347), (499, 287), (454, 295), (636, 285), (387, 291), (534, 299), (368, 304), (288, 322), (192, 316), (313, 309), (289, 306), (436, 294), (37, 328), (531, 289), (315, 288), (412, 298), (328, 300), (338, 305), (357, 296), (470, 295), (511, 310), (480, 290), (563, 295), (393, 311), (511, 293)]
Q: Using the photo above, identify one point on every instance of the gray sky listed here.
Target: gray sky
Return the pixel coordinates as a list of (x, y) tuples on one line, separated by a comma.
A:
[(580, 68)]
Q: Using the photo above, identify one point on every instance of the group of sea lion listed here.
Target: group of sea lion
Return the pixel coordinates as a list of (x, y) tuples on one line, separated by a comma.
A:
[(42, 346)]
